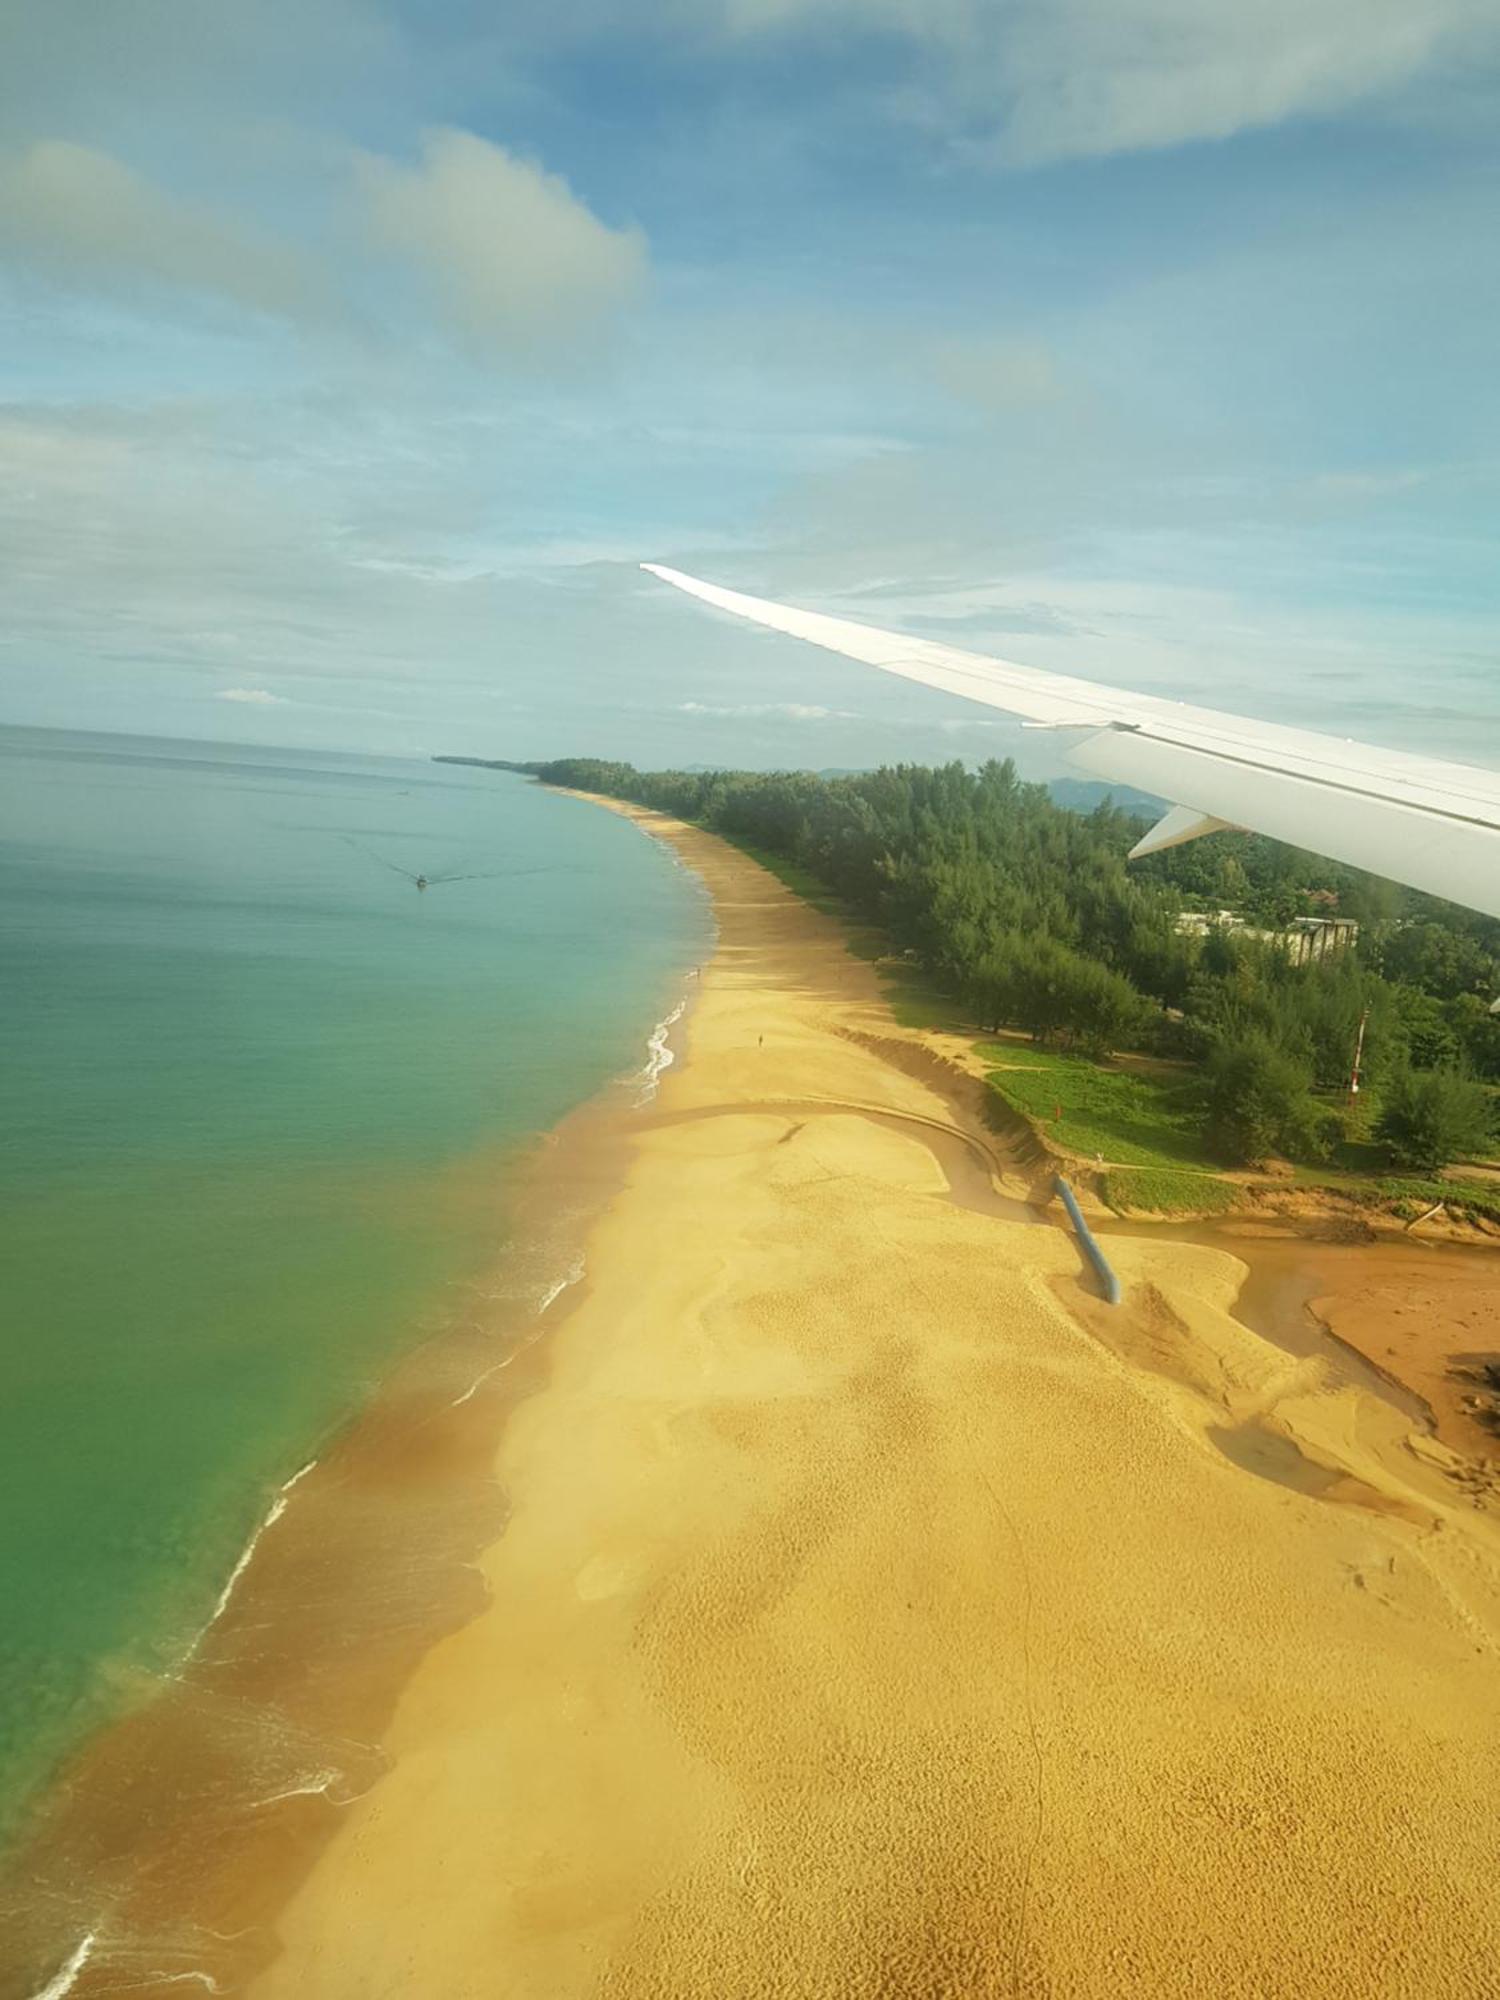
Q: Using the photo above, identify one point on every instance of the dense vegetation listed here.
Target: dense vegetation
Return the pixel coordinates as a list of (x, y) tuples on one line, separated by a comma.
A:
[(1029, 914)]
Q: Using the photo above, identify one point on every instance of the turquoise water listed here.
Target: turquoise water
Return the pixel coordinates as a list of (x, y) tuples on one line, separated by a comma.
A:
[(256, 1099)]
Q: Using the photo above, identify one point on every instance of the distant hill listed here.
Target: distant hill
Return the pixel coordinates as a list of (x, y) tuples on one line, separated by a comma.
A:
[(694, 770), (827, 771), (1082, 795), (485, 763)]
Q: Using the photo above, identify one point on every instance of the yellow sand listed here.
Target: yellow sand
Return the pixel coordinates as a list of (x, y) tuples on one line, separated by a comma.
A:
[(877, 1618)]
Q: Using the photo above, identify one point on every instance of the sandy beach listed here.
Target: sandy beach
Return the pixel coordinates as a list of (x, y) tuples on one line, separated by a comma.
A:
[(878, 1614)]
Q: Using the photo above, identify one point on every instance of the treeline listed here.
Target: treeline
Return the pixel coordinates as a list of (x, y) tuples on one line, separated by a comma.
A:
[(1030, 914)]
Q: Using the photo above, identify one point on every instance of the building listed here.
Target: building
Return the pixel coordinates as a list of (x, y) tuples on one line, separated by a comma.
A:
[(1312, 939), (1306, 940)]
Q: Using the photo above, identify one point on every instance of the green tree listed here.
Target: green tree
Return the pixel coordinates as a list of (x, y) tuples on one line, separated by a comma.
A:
[(1059, 995), (1424, 1027), (1107, 1011), (1030, 912), (1478, 1033), (1221, 954), (1430, 1118), (1441, 959), (1257, 1101), (990, 988)]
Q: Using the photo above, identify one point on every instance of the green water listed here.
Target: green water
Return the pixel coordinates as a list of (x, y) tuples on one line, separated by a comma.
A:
[(256, 1094)]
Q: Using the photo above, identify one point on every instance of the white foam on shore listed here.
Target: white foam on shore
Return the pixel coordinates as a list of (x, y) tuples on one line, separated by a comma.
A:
[(221, 1604), (318, 1785), (62, 1982), (659, 1056), (478, 1383), (66, 1978), (572, 1276), (273, 1514), (278, 1505)]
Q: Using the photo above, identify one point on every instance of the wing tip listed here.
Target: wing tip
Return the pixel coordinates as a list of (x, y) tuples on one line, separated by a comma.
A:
[(1176, 827)]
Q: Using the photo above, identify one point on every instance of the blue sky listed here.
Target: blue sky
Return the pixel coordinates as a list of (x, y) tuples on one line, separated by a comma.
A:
[(354, 353)]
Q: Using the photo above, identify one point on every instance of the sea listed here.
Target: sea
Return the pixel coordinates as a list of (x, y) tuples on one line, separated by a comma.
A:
[(261, 1106)]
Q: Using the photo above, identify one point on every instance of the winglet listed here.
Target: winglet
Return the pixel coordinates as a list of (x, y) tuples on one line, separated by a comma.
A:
[(1181, 824)]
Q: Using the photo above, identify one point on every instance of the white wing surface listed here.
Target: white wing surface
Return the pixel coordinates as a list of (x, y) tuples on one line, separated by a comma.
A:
[(1432, 825)]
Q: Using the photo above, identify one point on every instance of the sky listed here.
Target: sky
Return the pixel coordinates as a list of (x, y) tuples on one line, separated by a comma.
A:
[(353, 353)]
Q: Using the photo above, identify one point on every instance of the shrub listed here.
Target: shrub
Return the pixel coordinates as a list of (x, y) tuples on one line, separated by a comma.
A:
[(1257, 1102), (1432, 1117)]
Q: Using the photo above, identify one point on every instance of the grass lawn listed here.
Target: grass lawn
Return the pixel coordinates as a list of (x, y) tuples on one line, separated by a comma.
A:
[(1413, 1196), (1167, 1191), (1368, 1176), (1127, 1117)]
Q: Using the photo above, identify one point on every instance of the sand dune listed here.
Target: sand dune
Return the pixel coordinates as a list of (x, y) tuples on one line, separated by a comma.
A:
[(879, 1617)]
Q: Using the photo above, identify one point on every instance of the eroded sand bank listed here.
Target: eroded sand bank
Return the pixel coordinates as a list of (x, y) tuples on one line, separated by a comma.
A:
[(878, 1617)]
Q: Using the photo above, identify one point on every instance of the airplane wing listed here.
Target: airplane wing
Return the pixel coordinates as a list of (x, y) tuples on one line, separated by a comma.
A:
[(1432, 825)]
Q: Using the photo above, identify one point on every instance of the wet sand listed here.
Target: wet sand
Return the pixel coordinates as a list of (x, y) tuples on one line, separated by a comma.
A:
[(164, 1848), (1412, 1321), (879, 1615), (852, 1605), (1433, 1322)]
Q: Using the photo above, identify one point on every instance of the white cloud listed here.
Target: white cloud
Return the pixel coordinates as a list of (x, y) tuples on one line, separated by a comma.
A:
[(509, 255), (260, 697), (787, 711), (1039, 80), (1080, 77), (81, 215), (516, 258)]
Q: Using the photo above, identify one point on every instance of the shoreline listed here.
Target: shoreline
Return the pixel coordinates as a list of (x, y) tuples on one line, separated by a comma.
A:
[(82, 1897), (1296, 1245), (818, 1656), (861, 1140)]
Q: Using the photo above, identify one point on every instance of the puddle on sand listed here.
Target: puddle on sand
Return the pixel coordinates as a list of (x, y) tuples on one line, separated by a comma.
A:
[(1269, 1454)]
